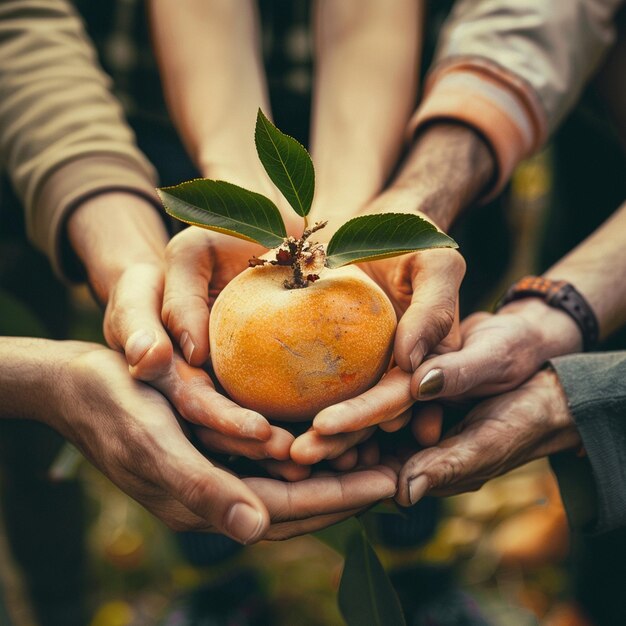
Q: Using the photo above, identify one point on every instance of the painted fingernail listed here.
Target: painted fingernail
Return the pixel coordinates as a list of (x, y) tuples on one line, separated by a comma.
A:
[(187, 346), (244, 523), (138, 344), (431, 384), (418, 354), (418, 486)]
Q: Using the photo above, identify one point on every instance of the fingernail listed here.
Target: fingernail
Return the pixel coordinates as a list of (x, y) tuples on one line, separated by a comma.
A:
[(187, 346), (244, 523), (256, 427), (418, 486), (431, 384), (138, 344), (418, 354)]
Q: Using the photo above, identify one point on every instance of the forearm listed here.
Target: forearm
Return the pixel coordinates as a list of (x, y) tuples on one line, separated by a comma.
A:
[(445, 171), (30, 375), (113, 231), (597, 268), (62, 134), (209, 57), (365, 86)]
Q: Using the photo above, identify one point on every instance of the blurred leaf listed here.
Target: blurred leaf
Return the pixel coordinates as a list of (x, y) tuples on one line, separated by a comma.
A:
[(366, 595), (387, 508), (371, 237), (287, 163), (225, 208), (339, 535)]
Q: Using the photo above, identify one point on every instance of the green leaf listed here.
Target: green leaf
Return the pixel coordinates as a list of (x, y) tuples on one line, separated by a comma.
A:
[(226, 208), (366, 595), (287, 163), (339, 535), (371, 237)]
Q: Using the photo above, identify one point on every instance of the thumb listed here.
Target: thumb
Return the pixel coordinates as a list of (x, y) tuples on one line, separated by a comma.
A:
[(477, 369), (436, 278), (226, 503), (185, 311), (436, 469), (132, 322)]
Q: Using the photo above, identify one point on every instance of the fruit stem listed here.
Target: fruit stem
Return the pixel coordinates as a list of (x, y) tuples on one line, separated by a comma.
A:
[(305, 258)]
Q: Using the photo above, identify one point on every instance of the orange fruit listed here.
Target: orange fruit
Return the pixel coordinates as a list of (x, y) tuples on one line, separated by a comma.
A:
[(289, 353)]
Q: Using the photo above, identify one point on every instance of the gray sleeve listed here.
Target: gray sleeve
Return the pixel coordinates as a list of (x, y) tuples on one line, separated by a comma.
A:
[(595, 385)]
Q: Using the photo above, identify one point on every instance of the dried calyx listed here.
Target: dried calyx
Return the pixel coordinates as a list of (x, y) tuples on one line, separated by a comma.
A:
[(306, 258)]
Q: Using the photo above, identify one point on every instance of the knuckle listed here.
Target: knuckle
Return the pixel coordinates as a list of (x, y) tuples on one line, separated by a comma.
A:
[(198, 493)]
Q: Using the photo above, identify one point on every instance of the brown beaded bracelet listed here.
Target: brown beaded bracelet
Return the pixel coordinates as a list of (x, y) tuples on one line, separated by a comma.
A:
[(560, 295)]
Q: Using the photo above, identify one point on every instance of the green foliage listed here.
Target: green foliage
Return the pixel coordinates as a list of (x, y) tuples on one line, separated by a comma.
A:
[(287, 163), (366, 595), (226, 208), (371, 237)]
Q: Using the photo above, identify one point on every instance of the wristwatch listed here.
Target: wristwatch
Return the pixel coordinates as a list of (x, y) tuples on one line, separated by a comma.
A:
[(560, 295)]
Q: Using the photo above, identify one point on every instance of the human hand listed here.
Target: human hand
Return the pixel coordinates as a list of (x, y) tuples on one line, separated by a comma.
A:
[(129, 431), (423, 288), (120, 239), (498, 435), (499, 352)]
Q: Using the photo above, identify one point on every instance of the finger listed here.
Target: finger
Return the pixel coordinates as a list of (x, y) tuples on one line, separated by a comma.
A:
[(226, 503), (442, 469), (430, 316), (311, 447), (287, 530), (276, 447), (385, 401), (427, 424), (286, 470), (346, 461), (397, 423), (369, 453), (321, 495), (132, 322), (454, 339), (191, 391), (476, 368), (185, 312)]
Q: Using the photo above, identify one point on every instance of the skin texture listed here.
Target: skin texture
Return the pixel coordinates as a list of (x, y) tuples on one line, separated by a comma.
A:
[(498, 435), (130, 432), (288, 353)]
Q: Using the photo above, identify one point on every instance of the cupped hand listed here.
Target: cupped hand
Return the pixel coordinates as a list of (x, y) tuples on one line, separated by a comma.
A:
[(146, 292), (130, 432), (198, 265), (498, 435), (499, 352), (423, 288)]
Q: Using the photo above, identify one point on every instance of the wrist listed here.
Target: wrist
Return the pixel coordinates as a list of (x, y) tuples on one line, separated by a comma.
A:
[(32, 378), (113, 231), (552, 330), (562, 427)]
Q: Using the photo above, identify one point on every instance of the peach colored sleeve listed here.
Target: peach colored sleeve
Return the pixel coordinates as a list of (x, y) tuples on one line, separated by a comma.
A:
[(498, 105), (512, 70)]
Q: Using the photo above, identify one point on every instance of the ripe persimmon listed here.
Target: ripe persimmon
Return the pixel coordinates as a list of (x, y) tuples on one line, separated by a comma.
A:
[(290, 352)]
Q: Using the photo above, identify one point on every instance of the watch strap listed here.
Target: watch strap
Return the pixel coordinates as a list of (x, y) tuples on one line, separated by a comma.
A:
[(560, 295)]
